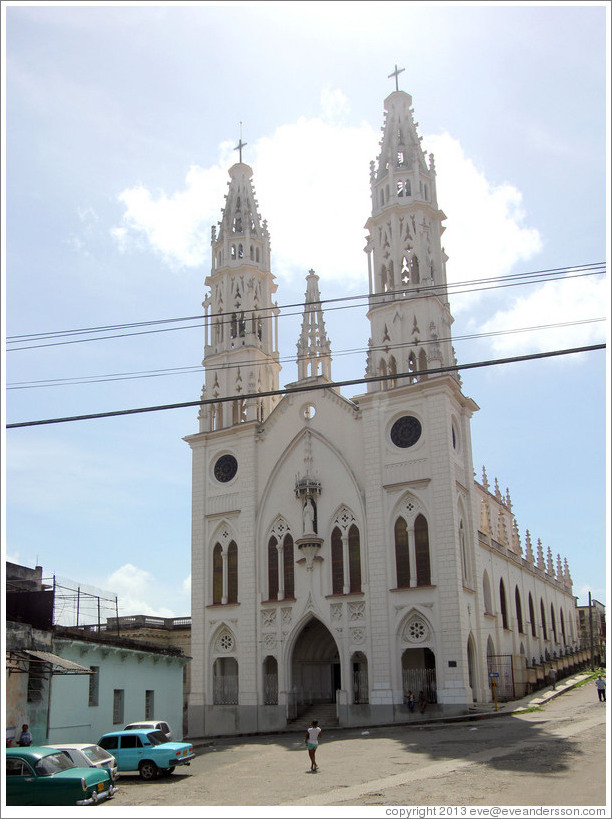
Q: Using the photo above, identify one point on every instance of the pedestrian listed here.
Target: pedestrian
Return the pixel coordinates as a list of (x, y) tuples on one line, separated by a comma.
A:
[(409, 700), (422, 701), (312, 743), (25, 737), (552, 677), (601, 688)]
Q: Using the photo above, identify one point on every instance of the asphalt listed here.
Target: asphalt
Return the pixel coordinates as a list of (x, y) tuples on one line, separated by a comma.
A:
[(476, 712)]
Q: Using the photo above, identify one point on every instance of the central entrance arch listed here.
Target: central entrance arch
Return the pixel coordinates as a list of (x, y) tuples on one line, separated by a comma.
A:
[(315, 664)]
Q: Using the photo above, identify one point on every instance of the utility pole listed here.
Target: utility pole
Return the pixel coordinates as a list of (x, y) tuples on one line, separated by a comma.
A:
[(591, 633)]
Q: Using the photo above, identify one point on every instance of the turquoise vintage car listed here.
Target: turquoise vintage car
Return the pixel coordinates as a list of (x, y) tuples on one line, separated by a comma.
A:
[(47, 776), (148, 752)]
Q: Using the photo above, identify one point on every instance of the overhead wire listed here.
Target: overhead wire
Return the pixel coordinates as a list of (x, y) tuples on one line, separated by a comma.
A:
[(411, 376), (188, 370), (422, 291)]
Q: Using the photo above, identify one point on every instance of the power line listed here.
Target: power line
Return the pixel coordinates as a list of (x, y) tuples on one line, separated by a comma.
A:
[(421, 291), (311, 388), (188, 370)]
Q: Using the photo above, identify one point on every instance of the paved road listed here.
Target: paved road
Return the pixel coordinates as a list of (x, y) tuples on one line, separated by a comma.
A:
[(552, 756)]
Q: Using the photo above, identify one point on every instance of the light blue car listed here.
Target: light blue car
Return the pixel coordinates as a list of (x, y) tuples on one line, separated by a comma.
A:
[(148, 752)]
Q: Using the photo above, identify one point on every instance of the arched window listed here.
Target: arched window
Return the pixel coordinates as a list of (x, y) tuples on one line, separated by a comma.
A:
[(337, 562), (421, 544), (464, 561), (562, 621), (288, 566), (402, 557), (232, 573), (519, 609), (543, 618), (532, 616), (412, 367), (217, 574), (553, 623), (423, 362), (486, 593), (272, 569), (502, 604), (392, 372), (225, 681), (270, 681), (354, 559)]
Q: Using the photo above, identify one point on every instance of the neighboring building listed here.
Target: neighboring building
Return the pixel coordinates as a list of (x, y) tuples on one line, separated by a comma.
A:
[(75, 684), (172, 632), (341, 550), (592, 630)]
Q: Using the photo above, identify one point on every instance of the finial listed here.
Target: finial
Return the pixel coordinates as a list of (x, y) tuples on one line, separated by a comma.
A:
[(396, 74), (240, 145)]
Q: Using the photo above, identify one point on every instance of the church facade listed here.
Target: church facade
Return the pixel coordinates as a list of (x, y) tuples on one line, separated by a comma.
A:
[(342, 551)]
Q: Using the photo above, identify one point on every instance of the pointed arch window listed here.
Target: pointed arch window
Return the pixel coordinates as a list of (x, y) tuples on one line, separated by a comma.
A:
[(502, 604), (423, 362), (217, 574), (272, 569), (553, 623), (562, 621), (402, 554), (337, 561), (519, 609), (288, 570), (392, 372), (421, 545), (465, 571), (412, 367), (532, 616), (354, 559), (543, 617), (232, 573)]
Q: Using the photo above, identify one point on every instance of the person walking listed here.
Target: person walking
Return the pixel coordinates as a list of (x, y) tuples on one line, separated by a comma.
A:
[(312, 743), (601, 688), (409, 699), (552, 677), (422, 702), (25, 737)]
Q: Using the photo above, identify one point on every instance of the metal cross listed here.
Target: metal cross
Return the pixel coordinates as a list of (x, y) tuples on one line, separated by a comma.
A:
[(396, 74), (241, 144)]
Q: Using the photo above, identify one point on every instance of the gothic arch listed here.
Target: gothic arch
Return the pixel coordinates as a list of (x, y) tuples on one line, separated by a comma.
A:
[(415, 630)]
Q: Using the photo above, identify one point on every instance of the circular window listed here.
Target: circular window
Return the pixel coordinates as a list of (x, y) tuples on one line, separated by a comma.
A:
[(225, 468), (406, 431), (309, 411)]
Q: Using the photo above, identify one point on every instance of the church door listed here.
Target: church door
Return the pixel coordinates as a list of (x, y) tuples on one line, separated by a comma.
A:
[(315, 666)]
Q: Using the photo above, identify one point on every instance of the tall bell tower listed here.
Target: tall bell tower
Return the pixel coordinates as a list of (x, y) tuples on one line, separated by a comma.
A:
[(409, 312), (241, 332)]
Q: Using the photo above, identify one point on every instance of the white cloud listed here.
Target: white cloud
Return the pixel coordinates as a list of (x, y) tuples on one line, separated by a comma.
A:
[(566, 300), (485, 232), (312, 182), (139, 592)]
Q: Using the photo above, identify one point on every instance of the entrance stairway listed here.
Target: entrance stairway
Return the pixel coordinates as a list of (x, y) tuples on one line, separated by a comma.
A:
[(324, 712)]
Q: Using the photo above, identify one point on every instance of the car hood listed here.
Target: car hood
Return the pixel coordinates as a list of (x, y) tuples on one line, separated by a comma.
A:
[(91, 775)]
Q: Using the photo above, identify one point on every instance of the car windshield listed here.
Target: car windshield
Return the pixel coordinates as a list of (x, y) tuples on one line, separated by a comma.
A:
[(53, 763), (95, 753), (157, 738)]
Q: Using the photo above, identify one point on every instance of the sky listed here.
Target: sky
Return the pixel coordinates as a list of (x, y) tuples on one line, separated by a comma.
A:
[(119, 127)]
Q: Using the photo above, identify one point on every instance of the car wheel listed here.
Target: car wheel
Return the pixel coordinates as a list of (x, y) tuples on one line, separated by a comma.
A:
[(167, 771), (147, 770)]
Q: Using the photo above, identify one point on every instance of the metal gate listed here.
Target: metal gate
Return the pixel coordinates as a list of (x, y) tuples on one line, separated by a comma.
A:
[(420, 679), (501, 671)]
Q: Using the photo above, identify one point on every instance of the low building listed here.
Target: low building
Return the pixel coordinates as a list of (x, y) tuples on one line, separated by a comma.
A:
[(592, 630)]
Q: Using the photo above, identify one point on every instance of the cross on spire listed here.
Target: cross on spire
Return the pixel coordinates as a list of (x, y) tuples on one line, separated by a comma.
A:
[(396, 74), (240, 145)]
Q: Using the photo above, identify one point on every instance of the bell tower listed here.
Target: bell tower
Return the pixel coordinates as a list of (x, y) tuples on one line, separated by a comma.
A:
[(409, 312), (241, 332)]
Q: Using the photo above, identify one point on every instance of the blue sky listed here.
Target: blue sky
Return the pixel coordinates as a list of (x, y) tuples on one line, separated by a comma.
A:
[(119, 128)]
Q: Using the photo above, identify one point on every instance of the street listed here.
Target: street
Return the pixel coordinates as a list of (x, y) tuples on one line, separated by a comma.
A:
[(552, 756)]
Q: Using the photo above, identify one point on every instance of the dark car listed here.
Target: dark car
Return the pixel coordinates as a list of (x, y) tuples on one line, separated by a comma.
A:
[(148, 752), (46, 776)]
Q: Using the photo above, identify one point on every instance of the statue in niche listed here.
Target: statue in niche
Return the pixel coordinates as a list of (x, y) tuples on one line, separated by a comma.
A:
[(308, 517)]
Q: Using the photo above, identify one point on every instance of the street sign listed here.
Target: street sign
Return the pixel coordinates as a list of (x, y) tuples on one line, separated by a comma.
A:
[(493, 674)]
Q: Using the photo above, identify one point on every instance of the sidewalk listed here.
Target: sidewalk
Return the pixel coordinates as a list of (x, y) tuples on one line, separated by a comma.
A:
[(476, 712)]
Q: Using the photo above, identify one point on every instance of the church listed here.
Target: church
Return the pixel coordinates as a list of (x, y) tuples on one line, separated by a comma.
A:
[(343, 553)]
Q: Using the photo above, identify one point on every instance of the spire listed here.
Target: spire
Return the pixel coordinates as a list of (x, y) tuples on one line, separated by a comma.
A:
[(408, 310), (241, 333), (313, 348)]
